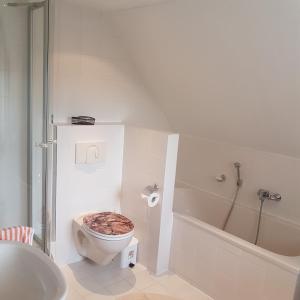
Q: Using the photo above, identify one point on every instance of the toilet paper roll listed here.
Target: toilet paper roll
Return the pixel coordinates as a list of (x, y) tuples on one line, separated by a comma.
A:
[(152, 199)]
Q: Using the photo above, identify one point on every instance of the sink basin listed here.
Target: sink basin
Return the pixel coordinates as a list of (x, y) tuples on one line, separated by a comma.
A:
[(27, 273)]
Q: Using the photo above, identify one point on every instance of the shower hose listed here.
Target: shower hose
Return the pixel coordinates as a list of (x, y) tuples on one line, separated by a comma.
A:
[(238, 187), (259, 221), (232, 207)]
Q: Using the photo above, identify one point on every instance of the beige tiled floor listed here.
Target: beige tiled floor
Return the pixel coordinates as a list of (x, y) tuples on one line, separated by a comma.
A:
[(146, 296), (87, 281)]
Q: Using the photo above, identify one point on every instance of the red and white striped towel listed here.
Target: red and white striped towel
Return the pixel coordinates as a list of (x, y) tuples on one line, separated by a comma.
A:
[(20, 234)]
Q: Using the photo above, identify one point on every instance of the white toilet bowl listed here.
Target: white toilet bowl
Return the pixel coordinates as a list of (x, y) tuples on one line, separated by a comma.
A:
[(98, 247)]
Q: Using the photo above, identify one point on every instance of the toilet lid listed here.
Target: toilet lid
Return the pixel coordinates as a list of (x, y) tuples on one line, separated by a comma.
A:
[(108, 223)]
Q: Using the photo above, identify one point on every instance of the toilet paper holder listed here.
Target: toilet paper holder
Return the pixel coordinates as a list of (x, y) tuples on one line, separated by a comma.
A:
[(150, 189), (151, 195)]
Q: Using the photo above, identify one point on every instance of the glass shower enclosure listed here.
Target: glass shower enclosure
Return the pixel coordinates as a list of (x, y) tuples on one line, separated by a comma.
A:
[(24, 121)]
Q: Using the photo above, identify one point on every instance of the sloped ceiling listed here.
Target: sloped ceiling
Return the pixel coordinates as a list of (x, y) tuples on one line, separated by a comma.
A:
[(222, 70), (115, 5)]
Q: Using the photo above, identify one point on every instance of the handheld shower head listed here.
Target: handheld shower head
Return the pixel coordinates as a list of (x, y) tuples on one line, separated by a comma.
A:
[(239, 181), (237, 164)]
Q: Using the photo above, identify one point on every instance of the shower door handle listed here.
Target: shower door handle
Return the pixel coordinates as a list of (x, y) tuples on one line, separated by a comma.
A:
[(51, 141), (42, 145)]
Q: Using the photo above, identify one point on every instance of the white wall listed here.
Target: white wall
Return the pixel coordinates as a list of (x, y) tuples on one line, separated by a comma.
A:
[(222, 70), (84, 188), (13, 116), (227, 75), (200, 161), (92, 74), (150, 157)]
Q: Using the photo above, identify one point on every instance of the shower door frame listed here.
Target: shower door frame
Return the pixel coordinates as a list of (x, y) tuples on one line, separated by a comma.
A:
[(45, 144)]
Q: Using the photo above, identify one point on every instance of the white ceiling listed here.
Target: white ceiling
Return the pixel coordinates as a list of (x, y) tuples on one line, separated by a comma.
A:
[(115, 5)]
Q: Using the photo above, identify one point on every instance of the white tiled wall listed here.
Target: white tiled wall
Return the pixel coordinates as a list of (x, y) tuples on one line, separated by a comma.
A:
[(149, 158), (13, 116), (276, 234), (84, 188), (200, 161)]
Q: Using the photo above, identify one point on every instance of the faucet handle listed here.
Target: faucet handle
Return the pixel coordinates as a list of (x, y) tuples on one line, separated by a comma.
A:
[(267, 195), (221, 178), (275, 197)]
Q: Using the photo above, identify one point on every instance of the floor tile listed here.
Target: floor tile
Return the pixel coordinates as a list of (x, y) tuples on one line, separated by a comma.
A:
[(141, 280), (138, 268), (156, 288), (146, 296), (99, 297), (120, 287), (178, 287), (88, 281), (85, 285), (74, 295)]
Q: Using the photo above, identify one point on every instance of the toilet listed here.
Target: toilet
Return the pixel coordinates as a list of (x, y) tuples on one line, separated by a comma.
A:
[(100, 236)]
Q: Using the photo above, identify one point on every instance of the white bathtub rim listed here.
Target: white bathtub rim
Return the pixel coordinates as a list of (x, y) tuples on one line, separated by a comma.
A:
[(288, 263)]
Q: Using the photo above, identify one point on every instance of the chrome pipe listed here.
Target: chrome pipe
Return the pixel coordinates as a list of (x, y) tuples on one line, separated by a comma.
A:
[(259, 221), (35, 3)]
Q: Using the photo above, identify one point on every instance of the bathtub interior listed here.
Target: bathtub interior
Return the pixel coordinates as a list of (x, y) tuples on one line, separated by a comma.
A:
[(277, 235)]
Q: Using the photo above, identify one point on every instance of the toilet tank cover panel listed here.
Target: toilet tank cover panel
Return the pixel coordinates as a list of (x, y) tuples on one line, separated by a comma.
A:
[(108, 223)]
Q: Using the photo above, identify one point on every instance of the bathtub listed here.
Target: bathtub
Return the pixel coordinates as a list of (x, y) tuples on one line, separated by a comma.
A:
[(227, 265)]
